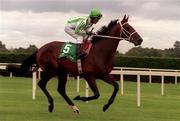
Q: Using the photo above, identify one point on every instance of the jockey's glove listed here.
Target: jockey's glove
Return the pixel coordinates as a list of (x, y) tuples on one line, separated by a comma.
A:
[(90, 33)]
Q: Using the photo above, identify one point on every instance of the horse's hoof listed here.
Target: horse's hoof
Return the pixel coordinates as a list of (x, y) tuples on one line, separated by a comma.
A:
[(76, 112), (105, 107), (75, 109), (50, 107), (77, 98)]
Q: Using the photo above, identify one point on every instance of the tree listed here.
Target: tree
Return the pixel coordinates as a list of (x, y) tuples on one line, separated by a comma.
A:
[(30, 49), (177, 45), (177, 49), (169, 52), (118, 53), (139, 51), (135, 51), (3, 47)]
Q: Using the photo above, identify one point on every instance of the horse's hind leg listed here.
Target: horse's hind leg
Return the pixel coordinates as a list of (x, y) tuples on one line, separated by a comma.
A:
[(42, 84), (62, 79)]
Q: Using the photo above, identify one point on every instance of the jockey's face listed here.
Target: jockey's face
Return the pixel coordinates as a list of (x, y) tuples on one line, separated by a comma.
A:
[(94, 20)]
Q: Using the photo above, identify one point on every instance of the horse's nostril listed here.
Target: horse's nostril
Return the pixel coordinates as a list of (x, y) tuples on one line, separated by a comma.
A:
[(141, 40)]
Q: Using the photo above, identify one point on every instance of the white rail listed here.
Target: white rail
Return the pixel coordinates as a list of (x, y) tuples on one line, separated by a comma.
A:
[(4, 65), (144, 72), (118, 71)]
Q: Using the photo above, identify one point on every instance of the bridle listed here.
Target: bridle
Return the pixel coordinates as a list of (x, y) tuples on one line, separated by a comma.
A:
[(122, 31), (125, 32)]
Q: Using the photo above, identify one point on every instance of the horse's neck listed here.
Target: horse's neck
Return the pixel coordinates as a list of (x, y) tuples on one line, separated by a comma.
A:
[(107, 47)]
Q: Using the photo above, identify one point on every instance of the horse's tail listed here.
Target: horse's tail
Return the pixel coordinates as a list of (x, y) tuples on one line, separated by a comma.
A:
[(27, 63)]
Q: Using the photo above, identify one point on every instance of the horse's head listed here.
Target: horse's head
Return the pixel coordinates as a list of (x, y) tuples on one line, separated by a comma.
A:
[(128, 33)]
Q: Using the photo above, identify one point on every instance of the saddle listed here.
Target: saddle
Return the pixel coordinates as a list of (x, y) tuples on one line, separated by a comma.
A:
[(83, 49), (86, 46)]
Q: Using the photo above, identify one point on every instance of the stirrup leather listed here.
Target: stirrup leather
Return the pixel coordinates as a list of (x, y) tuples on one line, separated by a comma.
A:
[(79, 66)]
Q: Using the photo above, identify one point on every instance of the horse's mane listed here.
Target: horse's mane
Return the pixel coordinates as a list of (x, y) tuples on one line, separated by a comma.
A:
[(104, 30)]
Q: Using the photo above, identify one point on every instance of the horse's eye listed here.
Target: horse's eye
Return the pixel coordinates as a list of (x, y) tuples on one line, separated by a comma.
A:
[(127, 27)]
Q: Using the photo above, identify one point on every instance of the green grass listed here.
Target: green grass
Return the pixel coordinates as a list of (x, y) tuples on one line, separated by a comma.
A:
[(16, 103)]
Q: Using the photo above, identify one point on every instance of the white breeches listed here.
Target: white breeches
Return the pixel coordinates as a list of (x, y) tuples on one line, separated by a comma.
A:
[(71, 32)]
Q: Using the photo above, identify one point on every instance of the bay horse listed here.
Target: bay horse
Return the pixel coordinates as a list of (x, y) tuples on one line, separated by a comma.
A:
[(97, 65)]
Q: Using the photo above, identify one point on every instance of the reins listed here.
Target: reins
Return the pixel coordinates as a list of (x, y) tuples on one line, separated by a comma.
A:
[(109, 37)]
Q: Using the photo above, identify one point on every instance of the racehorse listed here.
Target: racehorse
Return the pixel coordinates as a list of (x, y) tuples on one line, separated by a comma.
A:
[(97, 65)]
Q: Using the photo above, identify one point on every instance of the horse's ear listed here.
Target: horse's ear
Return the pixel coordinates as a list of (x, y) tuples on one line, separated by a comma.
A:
[(127, 19), (124, 19)]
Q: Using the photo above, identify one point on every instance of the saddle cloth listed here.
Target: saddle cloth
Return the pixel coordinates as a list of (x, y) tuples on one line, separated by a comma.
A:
[(69, 51)]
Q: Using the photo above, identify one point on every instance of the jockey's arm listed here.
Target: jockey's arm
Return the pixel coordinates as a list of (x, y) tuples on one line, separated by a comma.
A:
[(80, 28), (89, 31)]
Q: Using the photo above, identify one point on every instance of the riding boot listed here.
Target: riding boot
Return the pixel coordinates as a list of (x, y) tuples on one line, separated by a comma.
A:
[(80, 53)]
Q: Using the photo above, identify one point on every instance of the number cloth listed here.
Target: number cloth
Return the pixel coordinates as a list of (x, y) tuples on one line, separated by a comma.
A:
[(69, 51)]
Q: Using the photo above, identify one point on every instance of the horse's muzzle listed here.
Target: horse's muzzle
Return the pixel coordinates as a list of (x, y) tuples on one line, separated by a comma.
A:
[(138, 42)]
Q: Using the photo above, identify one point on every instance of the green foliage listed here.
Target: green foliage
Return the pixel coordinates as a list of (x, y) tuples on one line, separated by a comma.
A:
[(30, 49), (3, 47), (148, 52), (151, 52), (118, 53), (147, 62), (13, 57), (123, 61)]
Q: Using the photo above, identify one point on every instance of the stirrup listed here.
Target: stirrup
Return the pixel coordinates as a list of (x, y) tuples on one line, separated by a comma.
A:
[(82, 55)]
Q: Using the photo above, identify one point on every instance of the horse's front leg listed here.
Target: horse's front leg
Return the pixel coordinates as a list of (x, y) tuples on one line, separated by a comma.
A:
[(92, 83), (109, 79)]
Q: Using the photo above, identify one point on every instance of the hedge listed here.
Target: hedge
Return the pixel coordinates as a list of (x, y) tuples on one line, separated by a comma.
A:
[(147, 62), (120, 61), (13, 57)]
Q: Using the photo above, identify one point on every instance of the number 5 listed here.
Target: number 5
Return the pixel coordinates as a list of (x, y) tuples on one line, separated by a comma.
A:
[(67, 48)]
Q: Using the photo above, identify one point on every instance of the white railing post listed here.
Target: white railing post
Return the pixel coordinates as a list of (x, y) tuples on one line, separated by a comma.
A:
[(150, 77), (34, 79), (68, 77), (77, 89), (122, 83), (39, 73), (176, 78), (87, 91), (162, 85), (138, 91), (10, 75)]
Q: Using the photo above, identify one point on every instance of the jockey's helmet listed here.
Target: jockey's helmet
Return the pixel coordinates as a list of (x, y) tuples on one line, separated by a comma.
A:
[(95, 13)]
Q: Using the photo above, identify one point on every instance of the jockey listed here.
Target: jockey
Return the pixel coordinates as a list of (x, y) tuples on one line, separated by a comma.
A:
[(79, 29)]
